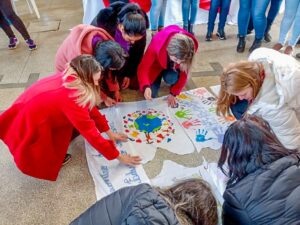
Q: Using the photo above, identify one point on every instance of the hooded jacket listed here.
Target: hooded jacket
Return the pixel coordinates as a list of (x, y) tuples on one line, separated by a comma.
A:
[(268, 196), (78, 42), (140, 205), (278, 100), (155, 59)]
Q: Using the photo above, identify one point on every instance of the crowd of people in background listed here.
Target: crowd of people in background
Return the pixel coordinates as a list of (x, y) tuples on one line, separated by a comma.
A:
[(260, 151)]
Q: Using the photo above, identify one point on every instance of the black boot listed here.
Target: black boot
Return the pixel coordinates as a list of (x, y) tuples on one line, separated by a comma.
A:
[(241, 45), (221, 35), (208, 36), (256, 44), (267, 36), (186, 27), (191, 28)]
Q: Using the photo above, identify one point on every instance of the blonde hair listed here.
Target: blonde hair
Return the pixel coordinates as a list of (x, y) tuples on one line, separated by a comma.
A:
[(194, 199), (183, 48), (82, 69), (236, 78)]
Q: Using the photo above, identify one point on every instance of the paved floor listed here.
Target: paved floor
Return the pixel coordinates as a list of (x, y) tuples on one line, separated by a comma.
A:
[(28, 201)]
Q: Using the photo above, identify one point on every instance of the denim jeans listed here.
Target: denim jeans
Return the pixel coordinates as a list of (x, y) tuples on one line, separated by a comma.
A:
[(189, 11), (257, 9), (224, 9), (291, 16), (170, 76), (239, 108), (157, 13), (273, 12)]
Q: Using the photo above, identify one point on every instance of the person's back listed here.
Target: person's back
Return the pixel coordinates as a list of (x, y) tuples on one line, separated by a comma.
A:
[(187, 202), (131, 205), (264, 182), (270, 195)]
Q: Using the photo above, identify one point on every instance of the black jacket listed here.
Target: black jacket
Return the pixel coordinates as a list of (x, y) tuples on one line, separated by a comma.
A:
[(137, 205), (270, 195), (107, 19)]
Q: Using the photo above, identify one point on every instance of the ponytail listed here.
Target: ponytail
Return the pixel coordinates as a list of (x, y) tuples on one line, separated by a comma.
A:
[(133, 19)]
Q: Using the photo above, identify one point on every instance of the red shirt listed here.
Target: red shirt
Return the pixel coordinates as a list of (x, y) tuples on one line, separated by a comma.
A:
[(38, 127)]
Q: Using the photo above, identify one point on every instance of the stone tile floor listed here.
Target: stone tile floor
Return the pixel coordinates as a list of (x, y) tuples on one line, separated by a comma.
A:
[(25, 200)]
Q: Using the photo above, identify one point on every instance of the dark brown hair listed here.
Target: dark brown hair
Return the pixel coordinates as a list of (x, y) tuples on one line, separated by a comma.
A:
[(194, 199)]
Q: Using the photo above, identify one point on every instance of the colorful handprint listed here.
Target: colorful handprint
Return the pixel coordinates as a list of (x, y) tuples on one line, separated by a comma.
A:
[(190, 123), (201, 135), (183, 114), (219, 132), (184, 97), (208, 100)]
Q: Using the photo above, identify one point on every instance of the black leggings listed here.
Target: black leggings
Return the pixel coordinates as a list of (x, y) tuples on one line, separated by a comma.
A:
[(8, 14)]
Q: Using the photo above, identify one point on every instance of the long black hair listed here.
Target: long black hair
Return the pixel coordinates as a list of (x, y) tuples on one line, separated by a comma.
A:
[(110, 55), (248, 145), (130, 15)]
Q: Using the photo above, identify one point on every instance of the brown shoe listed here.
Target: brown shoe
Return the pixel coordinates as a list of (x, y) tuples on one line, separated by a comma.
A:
[(67, 159), (289, 50), (298, 55), (277, 46)]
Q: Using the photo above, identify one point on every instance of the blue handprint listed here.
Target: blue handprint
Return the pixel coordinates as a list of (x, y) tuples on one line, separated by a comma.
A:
[(219, 132), (201, 135)]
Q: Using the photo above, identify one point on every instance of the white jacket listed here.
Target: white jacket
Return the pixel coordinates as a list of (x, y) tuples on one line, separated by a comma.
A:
[(278, 100)]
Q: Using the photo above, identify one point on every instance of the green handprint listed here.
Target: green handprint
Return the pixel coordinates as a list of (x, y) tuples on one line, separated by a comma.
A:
[(183, 114)]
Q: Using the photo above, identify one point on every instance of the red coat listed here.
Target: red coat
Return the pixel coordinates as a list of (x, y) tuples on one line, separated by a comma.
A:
[(155, 59), (38, 127)]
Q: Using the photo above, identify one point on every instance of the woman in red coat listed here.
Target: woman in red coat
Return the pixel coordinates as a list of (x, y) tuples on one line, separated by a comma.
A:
[(38, 127), (169, 57)]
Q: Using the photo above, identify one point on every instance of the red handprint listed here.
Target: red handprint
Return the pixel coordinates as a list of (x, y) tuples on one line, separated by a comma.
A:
[(190, 123)]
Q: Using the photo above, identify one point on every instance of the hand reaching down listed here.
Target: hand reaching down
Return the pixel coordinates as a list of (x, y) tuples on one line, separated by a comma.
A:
[(130, 160), (120, 137), (148, 93), (109, 102)]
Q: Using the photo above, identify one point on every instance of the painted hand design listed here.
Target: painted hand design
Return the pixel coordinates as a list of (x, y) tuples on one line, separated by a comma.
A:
[(183, 114), (212, 109), (190, 123), (184, 97), (201, 135), (208, 100), (219, 132)]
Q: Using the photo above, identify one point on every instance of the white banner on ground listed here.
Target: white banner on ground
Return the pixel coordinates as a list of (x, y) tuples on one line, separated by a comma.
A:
[(152, 124), (110, 176)]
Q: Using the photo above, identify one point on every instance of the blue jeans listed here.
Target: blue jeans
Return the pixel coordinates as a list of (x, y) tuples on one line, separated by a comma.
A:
[(157, 13), (257, 9), (239, 108), (189, 11), (170, 76), (291, 16), (224, 9), (273, 12)]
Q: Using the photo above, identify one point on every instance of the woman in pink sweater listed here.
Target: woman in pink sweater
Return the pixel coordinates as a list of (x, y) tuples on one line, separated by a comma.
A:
[(86, 39)]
